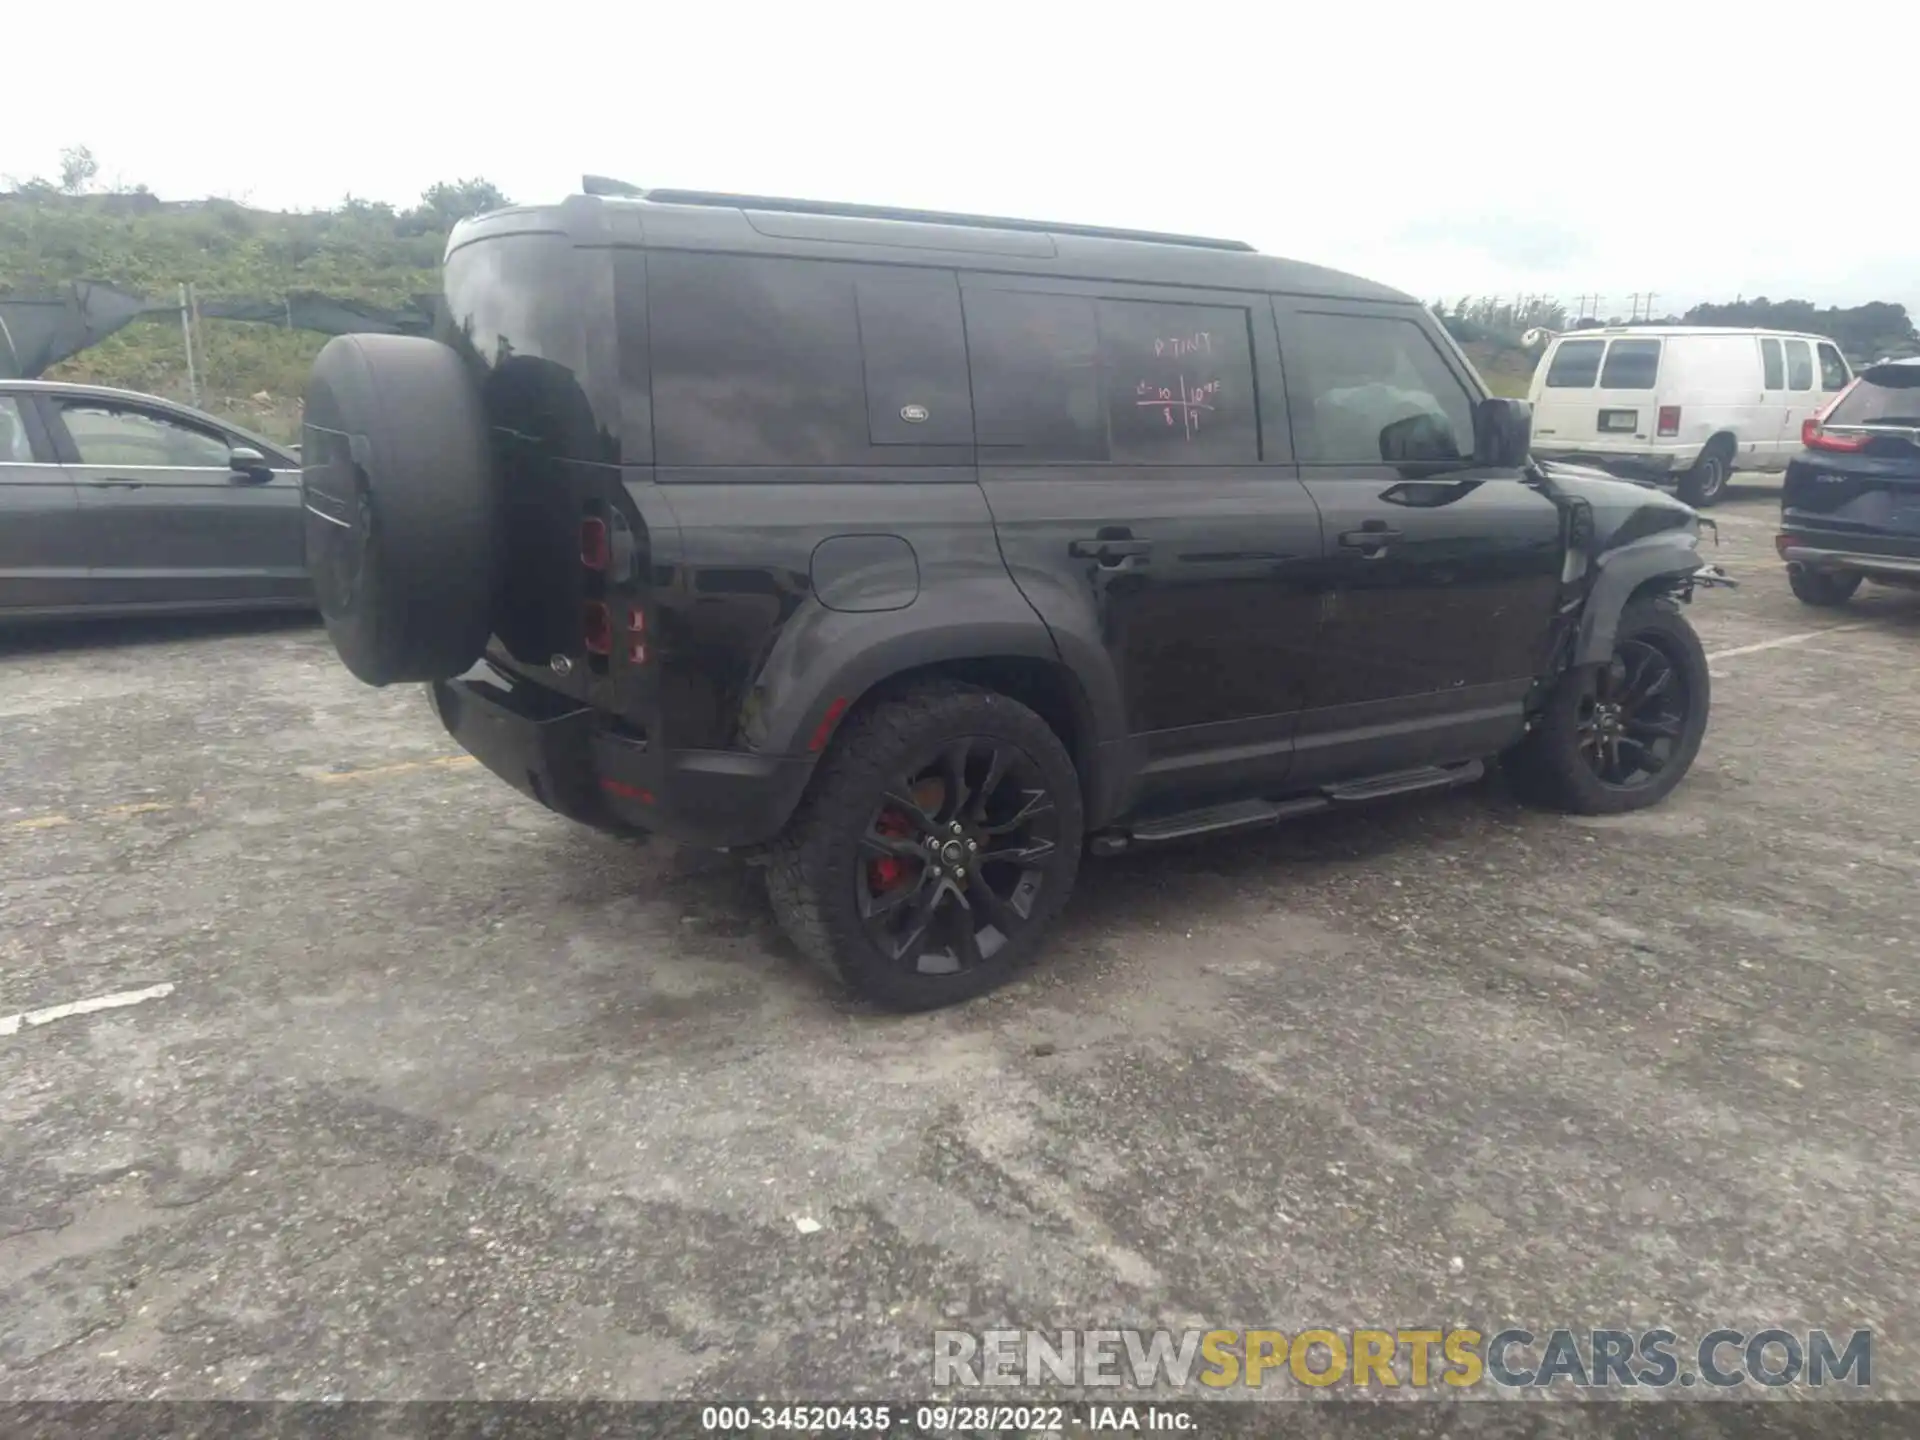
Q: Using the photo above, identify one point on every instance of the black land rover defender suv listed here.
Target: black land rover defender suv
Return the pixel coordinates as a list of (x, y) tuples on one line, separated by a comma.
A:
[(919, 554)]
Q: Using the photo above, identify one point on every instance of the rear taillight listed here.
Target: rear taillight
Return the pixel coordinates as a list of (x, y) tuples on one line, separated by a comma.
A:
[(596, 548), (1781, 542), (1815, 436), (1669, 420), (1813, 432), (596, 628)]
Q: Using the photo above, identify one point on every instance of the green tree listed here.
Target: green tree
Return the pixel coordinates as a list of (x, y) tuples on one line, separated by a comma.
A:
[(447, 203), (77, 169)]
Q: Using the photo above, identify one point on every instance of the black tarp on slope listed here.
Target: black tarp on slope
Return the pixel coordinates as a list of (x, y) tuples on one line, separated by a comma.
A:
[(307, 311), (39, 330)]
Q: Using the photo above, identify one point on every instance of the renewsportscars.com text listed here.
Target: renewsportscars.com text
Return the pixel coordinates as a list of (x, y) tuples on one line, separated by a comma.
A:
[(1363, 1359)]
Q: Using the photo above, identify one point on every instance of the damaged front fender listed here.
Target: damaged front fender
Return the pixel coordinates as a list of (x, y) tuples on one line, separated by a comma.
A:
[(1667, 562)]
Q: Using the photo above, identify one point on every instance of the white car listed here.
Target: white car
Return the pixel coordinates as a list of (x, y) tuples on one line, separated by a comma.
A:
[(1684, 406)]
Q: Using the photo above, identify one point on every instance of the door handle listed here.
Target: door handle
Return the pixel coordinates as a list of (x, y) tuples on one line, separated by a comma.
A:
[(116, 484), (1372, 538), (1108, 552)]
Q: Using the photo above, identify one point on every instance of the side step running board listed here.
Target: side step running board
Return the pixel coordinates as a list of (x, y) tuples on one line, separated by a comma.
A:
[(1404, 782), (1256, 814), (1217, 819)]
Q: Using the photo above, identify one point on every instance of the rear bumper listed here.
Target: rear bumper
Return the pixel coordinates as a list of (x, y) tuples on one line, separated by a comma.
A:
[(570, 759), (1869, 552), (1865, 561)]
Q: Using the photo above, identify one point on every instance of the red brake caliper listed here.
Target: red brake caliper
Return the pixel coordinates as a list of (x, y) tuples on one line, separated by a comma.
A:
[(889, 872)]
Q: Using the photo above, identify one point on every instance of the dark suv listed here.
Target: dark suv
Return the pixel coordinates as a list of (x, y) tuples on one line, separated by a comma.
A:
[(1850, 508), (918, 554)]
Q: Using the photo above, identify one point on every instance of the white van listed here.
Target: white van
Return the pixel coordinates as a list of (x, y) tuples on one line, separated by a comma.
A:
[(1682, 405)]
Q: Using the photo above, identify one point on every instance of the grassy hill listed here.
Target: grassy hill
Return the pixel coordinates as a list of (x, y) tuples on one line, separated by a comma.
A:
[(1507, 368), (369, 253), (378, 255)]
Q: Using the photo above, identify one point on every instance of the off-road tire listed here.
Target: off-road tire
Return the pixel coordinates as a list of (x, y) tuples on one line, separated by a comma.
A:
[(400, 510), (812, 867), (1828, 589), (1547, 769)]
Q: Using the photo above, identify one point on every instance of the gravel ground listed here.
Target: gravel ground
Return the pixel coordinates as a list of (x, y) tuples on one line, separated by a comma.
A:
[(450, 1098)]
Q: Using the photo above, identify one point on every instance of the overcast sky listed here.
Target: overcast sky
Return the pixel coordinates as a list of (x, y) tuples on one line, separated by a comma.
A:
[(1445, 148)]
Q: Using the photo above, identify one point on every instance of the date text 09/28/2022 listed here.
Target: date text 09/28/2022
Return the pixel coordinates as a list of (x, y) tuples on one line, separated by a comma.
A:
[(941, 1418)]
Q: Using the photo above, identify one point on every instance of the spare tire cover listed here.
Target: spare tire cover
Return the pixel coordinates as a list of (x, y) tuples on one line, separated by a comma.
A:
[(400, 507)]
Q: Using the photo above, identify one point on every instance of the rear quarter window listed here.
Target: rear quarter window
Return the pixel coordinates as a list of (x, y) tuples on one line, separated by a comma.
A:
[(1575, 365), (778, 362)]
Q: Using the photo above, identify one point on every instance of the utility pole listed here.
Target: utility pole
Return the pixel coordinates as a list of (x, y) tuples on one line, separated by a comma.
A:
[(199, 331), (186, 335)]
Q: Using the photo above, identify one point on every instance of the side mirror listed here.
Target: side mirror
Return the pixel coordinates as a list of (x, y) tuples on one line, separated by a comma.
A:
[(1418, 439), (1502, 433), (249, 463)]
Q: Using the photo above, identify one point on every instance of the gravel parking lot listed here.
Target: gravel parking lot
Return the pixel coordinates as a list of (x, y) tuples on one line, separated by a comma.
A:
[(451, 1098)]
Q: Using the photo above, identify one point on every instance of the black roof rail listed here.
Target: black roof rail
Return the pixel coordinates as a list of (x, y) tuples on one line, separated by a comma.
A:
[(599, 185)]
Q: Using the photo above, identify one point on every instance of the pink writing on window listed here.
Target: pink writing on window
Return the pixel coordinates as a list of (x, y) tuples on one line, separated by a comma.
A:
[(1179, 403), (1177, 346)]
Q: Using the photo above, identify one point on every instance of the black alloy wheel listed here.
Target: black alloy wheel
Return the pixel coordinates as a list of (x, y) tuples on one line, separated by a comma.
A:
[(936, 844), (1632, 726), (956, 856), (1620, 736)]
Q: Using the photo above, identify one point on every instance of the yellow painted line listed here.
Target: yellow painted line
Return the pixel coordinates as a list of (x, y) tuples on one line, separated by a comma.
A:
[(114, 812), (380, 772), (40, 822)]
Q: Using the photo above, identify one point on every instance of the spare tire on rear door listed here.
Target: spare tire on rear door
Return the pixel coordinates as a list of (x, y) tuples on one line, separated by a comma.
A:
[(400, 500)]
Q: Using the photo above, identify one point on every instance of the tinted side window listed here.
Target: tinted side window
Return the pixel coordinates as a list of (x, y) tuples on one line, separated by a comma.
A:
[(1036, 374), (1775, 377), (16, 448), (1071, 377), (1631, 365), (1799, 365), (914, 349), (1576, 365), (1179, 383), (760, 362), (1833, 369), (112, 435), (1376, 390)]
